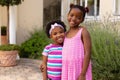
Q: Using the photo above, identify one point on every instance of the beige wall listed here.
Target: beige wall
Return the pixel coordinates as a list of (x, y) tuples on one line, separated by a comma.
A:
[(3, 16), (64, 9), (30, 16), (106, 8)]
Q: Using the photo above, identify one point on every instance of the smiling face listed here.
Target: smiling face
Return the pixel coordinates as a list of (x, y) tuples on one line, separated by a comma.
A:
[(75, 17), (57, 35)]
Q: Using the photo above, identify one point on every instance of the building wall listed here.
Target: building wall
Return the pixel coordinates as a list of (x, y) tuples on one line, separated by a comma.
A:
[(106, 8), (3, 16), (30, 17), (64, 9), (3, 20)]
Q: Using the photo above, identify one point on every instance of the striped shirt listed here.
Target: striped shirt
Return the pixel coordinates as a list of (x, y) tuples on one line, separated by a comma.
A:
[(54, 62)]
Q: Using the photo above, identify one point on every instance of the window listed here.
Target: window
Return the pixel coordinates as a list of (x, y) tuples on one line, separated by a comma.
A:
[(116, 7), (93, 6)]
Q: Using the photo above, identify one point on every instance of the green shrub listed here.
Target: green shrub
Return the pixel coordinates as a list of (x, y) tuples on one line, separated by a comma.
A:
[(9, 47), (33, 47), (105, 51)]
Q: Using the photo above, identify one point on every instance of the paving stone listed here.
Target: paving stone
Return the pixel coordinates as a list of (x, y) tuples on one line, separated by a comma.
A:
[(26, 69)]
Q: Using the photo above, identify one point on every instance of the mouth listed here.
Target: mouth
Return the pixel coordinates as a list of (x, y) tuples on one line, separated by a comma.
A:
[(72, 23), (60, 39)]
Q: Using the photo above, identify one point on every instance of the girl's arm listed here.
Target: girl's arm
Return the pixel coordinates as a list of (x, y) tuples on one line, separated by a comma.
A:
[(43, 64), (43, 67), (87, 50)]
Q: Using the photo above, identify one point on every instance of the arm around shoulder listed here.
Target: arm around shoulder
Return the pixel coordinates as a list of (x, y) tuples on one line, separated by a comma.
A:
[(43, 68), (43, 64)]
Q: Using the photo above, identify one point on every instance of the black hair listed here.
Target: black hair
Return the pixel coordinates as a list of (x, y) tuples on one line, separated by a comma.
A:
[(84, 10), (48, 26)]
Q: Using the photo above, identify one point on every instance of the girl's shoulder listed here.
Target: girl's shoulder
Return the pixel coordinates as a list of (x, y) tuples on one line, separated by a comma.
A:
[(52, 46), (48, 46), (83, 28)]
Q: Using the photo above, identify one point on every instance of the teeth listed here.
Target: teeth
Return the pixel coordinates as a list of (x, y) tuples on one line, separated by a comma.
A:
[(60, 39), (72, 23)]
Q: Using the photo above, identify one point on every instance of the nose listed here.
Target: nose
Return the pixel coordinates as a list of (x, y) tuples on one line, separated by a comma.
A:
[(59, 34), (73, 18)]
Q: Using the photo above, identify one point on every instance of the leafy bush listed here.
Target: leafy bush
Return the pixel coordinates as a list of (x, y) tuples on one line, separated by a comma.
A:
[(9, 47), (33, 47), (105, 51)]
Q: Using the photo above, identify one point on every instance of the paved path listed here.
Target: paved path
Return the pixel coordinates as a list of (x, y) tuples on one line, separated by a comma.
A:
[(27, 69)]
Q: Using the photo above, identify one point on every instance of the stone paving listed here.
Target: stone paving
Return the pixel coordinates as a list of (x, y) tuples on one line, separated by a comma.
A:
[(26, 69)]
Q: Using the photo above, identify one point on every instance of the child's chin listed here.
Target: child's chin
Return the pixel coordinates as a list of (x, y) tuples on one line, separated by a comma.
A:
[(60, 42)]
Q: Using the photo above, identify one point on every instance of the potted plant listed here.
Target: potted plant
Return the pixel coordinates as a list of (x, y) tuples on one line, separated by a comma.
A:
[(4, 35), (8, 54)]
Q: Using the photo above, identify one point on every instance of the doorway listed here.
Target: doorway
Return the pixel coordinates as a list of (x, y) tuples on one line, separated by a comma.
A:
[(52, 10)]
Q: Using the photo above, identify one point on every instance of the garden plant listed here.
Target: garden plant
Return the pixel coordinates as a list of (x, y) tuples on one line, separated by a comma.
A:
[(105, 50), (33, 47)]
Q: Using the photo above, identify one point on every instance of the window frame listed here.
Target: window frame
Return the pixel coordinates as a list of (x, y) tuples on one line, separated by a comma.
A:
[(95, 8), (115, 13)]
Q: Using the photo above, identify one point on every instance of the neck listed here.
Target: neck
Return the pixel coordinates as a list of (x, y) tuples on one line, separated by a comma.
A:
[(74, 28), (58, 44)]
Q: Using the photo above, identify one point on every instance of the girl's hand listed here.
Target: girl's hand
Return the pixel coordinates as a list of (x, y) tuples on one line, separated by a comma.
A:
[(81, 77), (42, 67)]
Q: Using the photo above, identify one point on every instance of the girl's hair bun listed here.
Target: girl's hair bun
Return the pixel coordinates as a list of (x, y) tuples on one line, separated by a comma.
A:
[(86, 9), (71, 5)]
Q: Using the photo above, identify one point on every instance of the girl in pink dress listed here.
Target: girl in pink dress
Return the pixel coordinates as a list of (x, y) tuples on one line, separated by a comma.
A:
[(76, 52)]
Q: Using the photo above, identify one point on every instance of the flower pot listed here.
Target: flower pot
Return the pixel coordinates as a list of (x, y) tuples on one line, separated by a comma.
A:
[(8, 58)]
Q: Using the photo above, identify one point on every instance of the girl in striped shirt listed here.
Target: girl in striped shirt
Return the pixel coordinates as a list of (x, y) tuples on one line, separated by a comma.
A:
[(52, 53)]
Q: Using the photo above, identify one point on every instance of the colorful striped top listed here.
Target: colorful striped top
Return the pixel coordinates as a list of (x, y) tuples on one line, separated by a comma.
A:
[(54, 62)]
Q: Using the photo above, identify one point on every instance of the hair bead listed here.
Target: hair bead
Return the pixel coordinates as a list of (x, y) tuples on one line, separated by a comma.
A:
[(86, 9), (71, 5)]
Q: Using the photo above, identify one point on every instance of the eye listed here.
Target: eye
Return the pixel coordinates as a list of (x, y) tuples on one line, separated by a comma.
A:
[(54, 33), (78, 17), (71, 15), (61, 31)]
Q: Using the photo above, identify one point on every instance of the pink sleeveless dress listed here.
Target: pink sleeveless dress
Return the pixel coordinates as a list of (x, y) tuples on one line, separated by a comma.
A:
[(72, 58)]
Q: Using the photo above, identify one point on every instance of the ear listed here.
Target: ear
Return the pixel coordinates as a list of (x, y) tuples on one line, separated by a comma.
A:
[(67, 14), (50, 36)]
